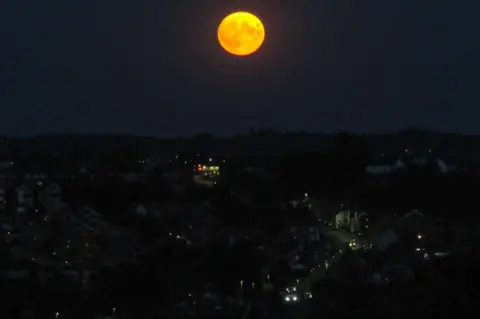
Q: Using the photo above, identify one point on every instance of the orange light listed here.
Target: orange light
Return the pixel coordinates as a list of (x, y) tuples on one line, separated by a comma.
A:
[(241, 33)]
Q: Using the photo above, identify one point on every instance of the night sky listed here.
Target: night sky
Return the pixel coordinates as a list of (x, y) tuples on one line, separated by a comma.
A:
[(154, 67)]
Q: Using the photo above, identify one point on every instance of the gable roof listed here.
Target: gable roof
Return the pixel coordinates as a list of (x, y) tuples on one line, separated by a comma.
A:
[(53, 188), (414, 212)]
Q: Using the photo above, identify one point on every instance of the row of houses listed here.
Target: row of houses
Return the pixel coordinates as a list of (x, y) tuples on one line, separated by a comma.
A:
[(29, 195), (384, 165)]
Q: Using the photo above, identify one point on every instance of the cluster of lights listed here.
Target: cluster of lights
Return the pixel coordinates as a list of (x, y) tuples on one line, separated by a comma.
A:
[(204, 168), (353, 243), (289, 298), (292, 295)]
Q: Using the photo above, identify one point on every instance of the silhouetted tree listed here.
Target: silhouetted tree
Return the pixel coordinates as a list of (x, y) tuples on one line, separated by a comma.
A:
[(346, 159), (155, 187), (301, 172), (203, 142)]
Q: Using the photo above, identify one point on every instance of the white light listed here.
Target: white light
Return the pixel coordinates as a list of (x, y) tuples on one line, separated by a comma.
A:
[(287, 298), (295, 298)]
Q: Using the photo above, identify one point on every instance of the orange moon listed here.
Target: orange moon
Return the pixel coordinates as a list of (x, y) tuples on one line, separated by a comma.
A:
[(241, 33)]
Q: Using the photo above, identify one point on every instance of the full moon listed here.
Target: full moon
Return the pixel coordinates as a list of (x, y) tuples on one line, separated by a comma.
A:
[(241, 33)]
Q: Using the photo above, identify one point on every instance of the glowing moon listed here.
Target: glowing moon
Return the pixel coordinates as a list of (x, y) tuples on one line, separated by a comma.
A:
[(241, 33)]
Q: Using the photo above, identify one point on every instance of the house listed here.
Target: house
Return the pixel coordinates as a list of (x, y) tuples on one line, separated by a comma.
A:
[(384, 239), (90, 217), (350, 220), (147, 209), (24, 196), (3, 196), (381, 165), (50, 197), (415, 225), (53, 190), (139, 209)]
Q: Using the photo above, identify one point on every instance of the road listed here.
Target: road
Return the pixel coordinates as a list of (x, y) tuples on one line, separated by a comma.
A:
[(342, 236), (340, 239)]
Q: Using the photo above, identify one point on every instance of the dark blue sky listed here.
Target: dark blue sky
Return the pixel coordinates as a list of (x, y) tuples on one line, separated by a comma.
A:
[(154, 67)]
